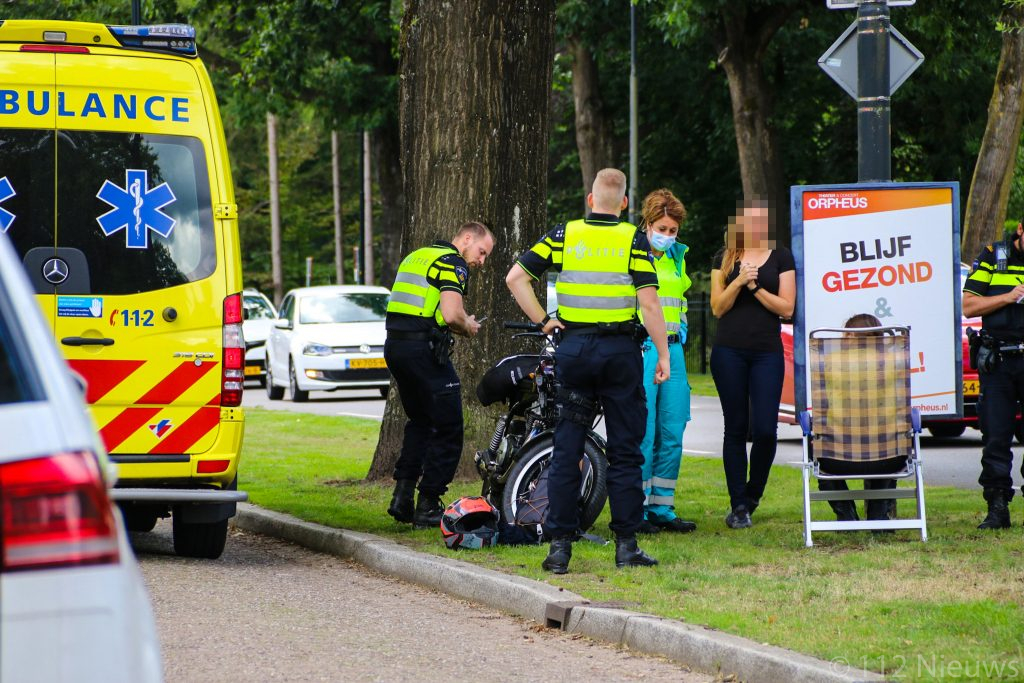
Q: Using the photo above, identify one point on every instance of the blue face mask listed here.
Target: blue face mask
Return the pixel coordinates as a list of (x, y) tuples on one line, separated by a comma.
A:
[(661, 242)]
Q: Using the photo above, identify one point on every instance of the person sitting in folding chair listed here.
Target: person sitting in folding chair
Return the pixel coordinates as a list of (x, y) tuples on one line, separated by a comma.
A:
[(846, 510), (864, 427)]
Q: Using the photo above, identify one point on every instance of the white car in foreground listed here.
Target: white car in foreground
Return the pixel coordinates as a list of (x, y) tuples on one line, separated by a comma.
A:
[(328, 338), (73, 604)]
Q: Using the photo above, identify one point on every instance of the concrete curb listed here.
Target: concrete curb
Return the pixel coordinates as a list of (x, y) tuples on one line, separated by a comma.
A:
[(700, 648)]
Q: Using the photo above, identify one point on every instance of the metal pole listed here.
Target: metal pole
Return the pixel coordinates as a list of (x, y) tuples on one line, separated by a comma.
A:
[(368, 272), (309, 270), (633, 163), (136, 12), (874, 162), (275, 210)]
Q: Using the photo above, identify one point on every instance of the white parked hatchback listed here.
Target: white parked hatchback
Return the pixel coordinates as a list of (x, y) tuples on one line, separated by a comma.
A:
[(73, 604), (328, 338)]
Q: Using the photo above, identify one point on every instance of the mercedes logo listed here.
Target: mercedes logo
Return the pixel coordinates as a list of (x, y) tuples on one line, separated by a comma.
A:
[(365, 348), (55, 271)]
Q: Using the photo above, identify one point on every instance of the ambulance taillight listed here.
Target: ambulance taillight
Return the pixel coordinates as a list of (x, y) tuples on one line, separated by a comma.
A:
[(232, 376)]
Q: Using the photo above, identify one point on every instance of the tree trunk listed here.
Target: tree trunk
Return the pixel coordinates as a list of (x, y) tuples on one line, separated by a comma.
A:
[(743, 40), (993, 174), (593, 129), (475, 82)]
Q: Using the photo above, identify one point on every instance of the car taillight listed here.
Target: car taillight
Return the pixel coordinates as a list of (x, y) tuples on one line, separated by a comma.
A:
[(55, 513), (233, 364)]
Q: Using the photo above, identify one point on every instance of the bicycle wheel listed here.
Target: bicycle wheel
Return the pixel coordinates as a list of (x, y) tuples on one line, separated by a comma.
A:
[(535, 458)]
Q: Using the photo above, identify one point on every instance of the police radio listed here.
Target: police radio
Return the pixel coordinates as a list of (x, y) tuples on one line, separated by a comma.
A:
[(1001, 256)]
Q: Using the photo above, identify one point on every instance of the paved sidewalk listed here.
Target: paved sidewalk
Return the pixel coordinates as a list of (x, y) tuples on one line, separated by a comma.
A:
[(700, 648)]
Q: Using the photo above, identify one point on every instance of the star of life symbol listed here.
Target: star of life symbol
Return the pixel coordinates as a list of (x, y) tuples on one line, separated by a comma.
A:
[(6, 192), (137, 209)]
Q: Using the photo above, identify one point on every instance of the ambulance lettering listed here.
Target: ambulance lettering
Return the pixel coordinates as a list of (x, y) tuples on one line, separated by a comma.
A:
[(95, 105), (137, 209), (6, 192)]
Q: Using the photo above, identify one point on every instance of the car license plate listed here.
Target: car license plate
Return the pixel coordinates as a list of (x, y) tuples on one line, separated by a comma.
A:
[(971, 387), (252, 370), (367, 363)]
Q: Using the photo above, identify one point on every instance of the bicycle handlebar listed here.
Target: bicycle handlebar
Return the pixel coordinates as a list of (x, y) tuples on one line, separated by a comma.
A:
[(512, 325)]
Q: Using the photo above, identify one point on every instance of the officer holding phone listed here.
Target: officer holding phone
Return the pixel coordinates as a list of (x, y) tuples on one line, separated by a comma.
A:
[(425, 308), (994, 290)]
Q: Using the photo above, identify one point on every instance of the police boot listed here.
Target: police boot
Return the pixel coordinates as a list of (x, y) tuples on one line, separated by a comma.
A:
[(998, 510), (559, 554), (428, 512), (628, 554), (402, 502)]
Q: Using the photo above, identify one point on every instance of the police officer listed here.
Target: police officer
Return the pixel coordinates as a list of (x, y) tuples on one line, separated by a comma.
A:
[(605, 271), (425, 308), (994, 290)]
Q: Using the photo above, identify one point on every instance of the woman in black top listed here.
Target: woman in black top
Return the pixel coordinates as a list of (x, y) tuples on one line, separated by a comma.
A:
[(753, 284)]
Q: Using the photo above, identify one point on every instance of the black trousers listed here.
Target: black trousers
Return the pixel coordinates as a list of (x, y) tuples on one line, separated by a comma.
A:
[(1001, 391), (432, 397), (608, 369), (876, 509)]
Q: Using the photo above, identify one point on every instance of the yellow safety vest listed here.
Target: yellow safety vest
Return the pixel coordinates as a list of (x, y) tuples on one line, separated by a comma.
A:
[(671, 285), (595, 285), (412, 294)]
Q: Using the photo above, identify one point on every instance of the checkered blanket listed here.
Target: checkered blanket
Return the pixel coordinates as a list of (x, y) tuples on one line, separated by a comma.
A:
[(860, 390)]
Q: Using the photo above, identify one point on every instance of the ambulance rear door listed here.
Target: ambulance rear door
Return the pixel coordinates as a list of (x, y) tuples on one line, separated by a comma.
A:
[(140, 315), (27, 151)]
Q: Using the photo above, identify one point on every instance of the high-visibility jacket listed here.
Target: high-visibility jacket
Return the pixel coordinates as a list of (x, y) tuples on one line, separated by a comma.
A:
[(997, 270), (595, 285), (672, 283), (412, 293)]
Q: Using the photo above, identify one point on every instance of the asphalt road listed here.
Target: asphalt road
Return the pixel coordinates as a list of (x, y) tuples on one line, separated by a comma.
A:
[(947, 462), (271, 611)]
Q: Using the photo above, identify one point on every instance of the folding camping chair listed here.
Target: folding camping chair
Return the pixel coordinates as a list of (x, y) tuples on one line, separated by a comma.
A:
[(860, 398)]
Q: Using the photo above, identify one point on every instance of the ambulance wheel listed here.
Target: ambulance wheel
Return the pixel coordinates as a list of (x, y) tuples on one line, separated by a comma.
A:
[(139, 520), (205, 540), (298, 395), (274, 392)]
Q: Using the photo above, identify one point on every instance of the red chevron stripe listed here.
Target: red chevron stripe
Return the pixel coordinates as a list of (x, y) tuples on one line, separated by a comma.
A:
[(190, 431), (103, 375), (177, 383), (124, 425)]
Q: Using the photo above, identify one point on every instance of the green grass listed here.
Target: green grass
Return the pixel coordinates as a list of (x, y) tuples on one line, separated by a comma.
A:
[(917, 611), (702, 385)]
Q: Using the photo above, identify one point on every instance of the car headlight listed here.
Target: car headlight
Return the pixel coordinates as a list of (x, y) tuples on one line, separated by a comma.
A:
[(313, 349)]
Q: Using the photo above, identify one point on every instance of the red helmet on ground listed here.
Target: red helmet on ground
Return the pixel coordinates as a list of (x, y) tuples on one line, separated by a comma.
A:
[(470, 522)]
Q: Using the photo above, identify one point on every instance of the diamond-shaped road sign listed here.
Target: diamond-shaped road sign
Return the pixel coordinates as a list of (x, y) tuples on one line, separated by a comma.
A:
[(840, 60)]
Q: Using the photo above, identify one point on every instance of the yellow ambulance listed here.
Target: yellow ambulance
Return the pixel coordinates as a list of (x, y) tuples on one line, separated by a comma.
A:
[(116, 192)]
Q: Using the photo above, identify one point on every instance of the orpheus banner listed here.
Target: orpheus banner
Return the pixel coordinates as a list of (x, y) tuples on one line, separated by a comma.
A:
[(891, 250)]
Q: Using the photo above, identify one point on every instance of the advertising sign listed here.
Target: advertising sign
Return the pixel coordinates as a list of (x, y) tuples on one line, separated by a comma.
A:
[(891, 250)]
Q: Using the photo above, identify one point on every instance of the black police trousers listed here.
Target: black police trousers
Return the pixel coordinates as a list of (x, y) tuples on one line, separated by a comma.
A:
[(1001, 391), (432, 397), (608, 369)]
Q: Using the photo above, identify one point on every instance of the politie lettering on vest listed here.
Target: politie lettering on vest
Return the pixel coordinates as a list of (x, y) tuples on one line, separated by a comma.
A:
[(96, 105)]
